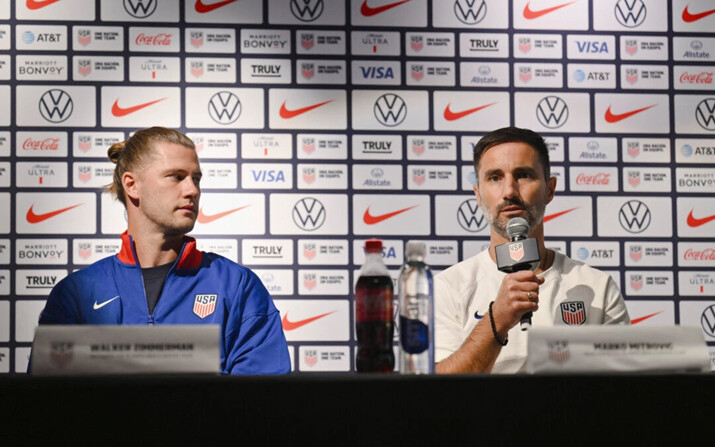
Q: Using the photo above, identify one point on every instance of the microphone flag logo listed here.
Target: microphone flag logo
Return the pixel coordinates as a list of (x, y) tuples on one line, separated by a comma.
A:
[(516, 251)]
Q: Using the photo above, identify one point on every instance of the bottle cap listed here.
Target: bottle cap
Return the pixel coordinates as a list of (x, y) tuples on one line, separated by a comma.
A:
[(416, 248), (373, 246)]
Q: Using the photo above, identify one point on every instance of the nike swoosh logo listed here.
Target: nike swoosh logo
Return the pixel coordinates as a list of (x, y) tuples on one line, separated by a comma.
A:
[(369, 219), (688, 17), (614, 118), (369, 12), (203, 8), (288, 114), (451, 116), (555, 215), (638, 320), (695, 222), (37, 218), (34, 4), (477, 316), (290, 325), (208, 218), (530, 14), (104, 303), (123, 111)]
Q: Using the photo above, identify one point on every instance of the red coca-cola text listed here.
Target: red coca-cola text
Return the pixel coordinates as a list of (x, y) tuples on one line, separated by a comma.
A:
[(48, 144), (161, 39)]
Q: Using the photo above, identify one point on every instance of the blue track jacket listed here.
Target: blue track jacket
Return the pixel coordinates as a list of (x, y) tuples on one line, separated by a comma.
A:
[(111, 291)]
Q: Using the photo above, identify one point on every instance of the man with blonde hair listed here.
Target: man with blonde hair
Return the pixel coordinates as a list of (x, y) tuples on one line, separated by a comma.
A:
[(159, 276)]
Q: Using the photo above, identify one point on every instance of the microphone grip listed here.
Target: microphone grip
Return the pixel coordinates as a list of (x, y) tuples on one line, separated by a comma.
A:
[(525, 322)]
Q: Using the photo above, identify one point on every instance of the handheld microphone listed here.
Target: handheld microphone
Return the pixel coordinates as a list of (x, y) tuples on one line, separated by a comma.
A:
[(522, 253)]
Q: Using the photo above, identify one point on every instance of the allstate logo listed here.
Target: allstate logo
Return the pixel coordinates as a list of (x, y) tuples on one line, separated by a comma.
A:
[(471, 217), (696, 45), (579, 75), (592, 145), (630, 13), (28, 37), (582, 253), (686, 150)]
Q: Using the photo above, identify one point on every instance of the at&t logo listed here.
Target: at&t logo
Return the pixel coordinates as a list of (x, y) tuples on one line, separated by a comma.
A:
[(470, 12), (224, 107), (306, 10), (634, 216), (56, 105), (471, 217), (390, 110), (309, 214), (552, 112)]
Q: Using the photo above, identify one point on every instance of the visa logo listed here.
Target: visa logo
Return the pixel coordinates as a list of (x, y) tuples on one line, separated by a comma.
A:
[(377, 73), (268, 176), (389, 252), (592, 47)]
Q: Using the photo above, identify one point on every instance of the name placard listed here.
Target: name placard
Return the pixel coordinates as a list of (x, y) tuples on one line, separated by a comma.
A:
[(104, 349), (588, 349)]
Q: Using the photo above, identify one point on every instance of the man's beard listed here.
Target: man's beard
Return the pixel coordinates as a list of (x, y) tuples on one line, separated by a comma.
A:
[(533, 214)]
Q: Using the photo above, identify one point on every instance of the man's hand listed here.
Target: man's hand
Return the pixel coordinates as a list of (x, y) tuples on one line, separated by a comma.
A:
[(518, 294)]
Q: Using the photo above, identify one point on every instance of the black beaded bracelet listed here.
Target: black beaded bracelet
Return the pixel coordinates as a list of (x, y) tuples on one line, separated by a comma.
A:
[(494, 327)]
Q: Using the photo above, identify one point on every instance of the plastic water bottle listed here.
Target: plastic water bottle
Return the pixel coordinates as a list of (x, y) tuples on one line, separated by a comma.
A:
[(374, 302), (416, 308)]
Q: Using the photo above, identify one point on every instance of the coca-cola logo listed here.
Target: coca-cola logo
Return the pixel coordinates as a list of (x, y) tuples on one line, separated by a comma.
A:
[(696, 78), (48, 144), (161, 39), (707, 254), (597, 179)]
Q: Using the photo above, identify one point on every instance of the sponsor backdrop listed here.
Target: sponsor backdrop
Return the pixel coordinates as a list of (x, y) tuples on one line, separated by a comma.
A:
[(321, 123)]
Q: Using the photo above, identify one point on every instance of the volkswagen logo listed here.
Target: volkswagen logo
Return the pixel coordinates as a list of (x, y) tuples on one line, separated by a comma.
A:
[(552, 112), (306, 10), (56, 105), (707, 320), (309, 214), (634, 216), (471, 217), (224, 107), (704, 114), (470, 12), (630, 13), (390, 110), (140, 9)]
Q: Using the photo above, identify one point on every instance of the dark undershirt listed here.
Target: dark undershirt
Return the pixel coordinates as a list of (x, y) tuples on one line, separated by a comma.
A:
[(154, 278)]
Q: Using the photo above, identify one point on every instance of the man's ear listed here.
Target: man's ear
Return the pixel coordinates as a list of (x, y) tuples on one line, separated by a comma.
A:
[(550, 189), (475, 187), (129, 182)]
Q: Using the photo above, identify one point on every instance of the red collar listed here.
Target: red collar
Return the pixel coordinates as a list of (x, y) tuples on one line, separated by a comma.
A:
[(189, 258)]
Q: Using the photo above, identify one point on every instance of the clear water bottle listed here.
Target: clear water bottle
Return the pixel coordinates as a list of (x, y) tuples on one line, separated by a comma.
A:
[(416, 309), (374, 302)]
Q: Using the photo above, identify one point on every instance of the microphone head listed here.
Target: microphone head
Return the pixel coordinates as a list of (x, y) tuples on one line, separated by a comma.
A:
[(517, 229)]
